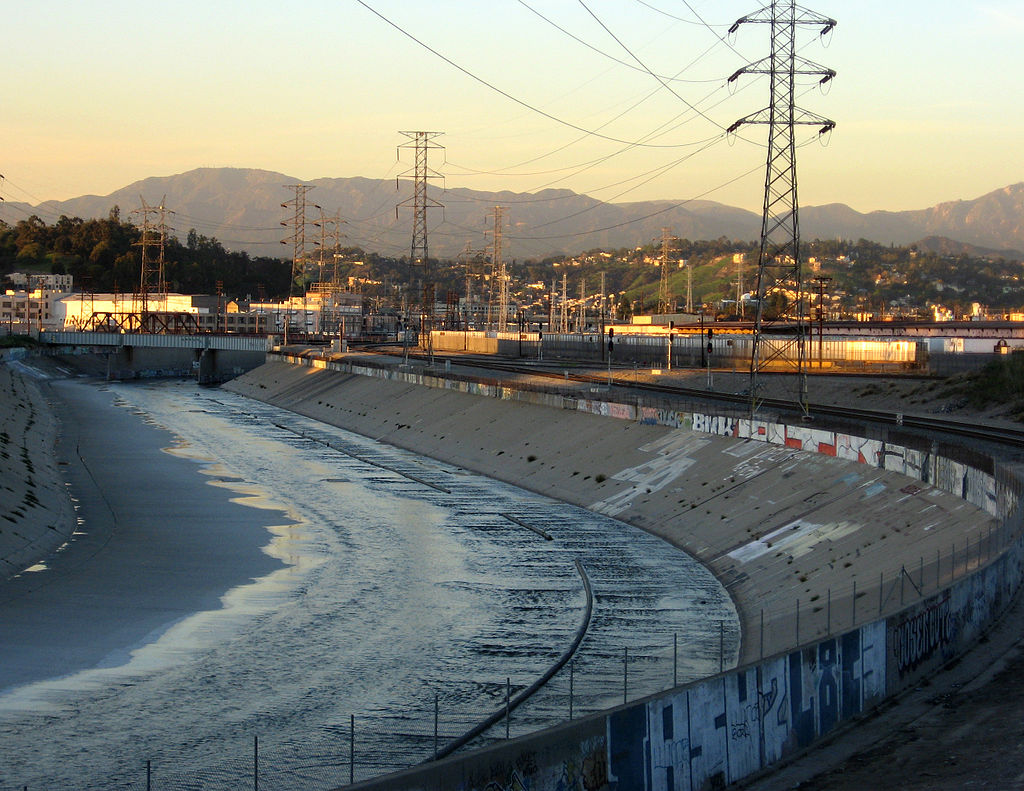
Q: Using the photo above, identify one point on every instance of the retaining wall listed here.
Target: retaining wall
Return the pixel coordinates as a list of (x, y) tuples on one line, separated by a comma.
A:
[(719, 730)]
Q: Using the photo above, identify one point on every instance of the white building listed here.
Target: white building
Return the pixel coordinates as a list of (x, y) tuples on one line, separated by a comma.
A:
[(22, 312)]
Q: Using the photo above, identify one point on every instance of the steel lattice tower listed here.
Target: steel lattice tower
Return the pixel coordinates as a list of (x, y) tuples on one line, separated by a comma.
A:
[(779, 282), (153, 241), (297, 222), (421, 143), (498, 269)]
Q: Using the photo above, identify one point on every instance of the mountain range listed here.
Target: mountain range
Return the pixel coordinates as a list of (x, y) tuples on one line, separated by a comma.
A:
[(242, 208)]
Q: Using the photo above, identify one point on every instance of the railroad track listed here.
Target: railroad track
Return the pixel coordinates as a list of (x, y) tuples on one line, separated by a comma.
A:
[(571, 371)]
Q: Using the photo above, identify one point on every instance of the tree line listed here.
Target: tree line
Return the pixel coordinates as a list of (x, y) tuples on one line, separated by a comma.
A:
[(105, 255)]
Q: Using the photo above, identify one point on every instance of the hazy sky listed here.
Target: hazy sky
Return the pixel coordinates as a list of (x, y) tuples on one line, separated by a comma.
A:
[(97, 95)]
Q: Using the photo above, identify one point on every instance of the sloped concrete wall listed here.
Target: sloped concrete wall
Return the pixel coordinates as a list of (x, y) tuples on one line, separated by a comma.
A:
[(719, 730)]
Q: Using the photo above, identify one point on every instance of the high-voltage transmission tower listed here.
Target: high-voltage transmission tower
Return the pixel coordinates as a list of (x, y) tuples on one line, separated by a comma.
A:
[(421, 143), (664, 299), (474, 263), (779, 281), (499, 271), (153, 241), (297, 222), (329, 247)]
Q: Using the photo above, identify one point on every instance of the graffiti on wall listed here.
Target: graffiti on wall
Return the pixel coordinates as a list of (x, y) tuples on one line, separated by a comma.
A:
[(671, 455), (583, 770), (716, 424), (722, 729), (652, 416), (917, 637)]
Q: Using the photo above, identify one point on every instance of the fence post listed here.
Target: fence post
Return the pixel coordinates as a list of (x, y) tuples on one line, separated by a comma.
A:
[(508, 712), (625, 673), (256, 762), (149, 776), (351, 748), (572, 673), (436, 706), (675, 659)]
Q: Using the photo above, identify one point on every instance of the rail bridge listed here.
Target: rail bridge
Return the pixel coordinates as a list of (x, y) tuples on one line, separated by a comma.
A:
[(209, 357)]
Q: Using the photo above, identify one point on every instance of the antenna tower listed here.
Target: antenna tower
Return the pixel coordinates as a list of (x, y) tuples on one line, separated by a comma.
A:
[(779, 282)]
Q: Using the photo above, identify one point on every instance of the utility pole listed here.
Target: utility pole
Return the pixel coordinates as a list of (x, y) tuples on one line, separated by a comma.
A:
[(689, 286), (779, 260), (582, 313), (603, 313), (663, 296), (822, 281), (564, 318), (551, 307), (739, 284), (419, 257)]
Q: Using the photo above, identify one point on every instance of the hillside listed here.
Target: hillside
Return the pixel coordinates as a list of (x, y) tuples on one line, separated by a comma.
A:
[(242, 209)]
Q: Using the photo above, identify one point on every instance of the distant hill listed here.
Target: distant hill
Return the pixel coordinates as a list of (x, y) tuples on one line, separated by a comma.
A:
[(945, 246), (242, 208)]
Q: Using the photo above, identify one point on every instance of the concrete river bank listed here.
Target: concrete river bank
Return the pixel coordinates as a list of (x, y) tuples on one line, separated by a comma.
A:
[(239, 570)]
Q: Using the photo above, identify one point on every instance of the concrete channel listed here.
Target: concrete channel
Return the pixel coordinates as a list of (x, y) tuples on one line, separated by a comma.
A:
[(858, 565)]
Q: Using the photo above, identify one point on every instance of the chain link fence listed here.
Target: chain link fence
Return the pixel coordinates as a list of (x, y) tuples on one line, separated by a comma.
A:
[(371, 744)]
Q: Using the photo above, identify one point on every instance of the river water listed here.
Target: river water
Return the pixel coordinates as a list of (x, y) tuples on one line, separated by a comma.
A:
[(404, 586)]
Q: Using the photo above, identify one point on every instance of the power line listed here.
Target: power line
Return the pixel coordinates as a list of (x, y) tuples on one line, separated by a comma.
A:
[(600, 51), (670, 207), (506, 94), (664, 84), (678, 18)]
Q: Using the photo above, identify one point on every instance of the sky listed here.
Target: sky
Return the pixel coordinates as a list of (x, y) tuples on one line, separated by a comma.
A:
[(98, 95)]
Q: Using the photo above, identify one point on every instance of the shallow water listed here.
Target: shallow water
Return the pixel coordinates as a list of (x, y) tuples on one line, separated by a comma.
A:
[(404, 583)]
